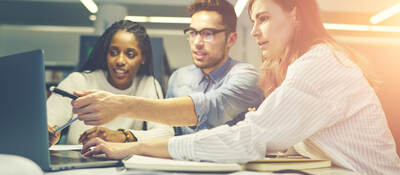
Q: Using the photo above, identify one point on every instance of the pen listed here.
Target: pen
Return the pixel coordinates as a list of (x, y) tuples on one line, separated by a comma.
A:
[(65, 94)]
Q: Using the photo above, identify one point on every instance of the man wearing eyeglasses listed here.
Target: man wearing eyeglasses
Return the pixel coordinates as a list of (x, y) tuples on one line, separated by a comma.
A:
[(209, 93)]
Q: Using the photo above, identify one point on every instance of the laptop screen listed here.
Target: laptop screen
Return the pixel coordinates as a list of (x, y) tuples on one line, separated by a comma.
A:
[(23, 123)]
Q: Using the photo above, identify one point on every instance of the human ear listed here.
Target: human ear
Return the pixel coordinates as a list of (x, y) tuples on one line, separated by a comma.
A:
[(232, 39)]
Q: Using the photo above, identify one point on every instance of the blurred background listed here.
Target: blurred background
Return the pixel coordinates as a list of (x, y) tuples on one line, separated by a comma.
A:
[(67, 29)]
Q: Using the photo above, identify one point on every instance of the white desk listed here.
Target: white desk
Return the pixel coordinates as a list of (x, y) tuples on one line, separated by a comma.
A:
[(122, 171), (16, 165)]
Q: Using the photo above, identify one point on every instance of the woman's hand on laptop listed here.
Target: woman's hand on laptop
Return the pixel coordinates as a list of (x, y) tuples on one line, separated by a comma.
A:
[(53, 137), (97, 107), (103, 133), (111, 150)]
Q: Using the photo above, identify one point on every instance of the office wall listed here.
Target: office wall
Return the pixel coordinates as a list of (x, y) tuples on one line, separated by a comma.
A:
[(59, 47), (177, 49), (61, 44), (385, 59)]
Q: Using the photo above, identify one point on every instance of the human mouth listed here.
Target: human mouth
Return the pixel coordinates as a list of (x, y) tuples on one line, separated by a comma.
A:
[(262, 44), (120, 73), (200, 55)]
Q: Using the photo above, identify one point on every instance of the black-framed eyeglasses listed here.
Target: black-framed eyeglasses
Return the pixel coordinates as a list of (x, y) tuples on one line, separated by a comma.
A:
[(207, 33)]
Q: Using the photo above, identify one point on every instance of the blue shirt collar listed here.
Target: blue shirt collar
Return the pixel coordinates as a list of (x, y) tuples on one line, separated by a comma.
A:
[(216, 75), (220, 72)]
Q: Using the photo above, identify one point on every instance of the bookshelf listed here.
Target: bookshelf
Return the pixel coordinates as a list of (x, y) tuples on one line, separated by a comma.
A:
[(56, 73)]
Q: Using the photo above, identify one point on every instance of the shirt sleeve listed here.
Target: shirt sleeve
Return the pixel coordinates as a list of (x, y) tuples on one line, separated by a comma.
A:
[(236, 94), (171, 83), (59, 109), (281, 121), (300, 107), (154, 130)]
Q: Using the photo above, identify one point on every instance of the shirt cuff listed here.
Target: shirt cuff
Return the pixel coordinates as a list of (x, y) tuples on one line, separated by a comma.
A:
[(182, 147), (200, 107)]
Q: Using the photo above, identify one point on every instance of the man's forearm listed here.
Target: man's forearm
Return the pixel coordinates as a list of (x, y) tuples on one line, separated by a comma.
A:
[(174, 111)]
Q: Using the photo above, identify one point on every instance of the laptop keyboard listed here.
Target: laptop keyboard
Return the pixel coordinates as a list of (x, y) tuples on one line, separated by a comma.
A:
[(66, 157)]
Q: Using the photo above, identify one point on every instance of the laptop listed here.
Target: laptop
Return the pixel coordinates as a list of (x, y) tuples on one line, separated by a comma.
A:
[(23, 121)]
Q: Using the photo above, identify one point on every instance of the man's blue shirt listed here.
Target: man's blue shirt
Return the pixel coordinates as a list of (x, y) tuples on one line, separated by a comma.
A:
[(219, 96)]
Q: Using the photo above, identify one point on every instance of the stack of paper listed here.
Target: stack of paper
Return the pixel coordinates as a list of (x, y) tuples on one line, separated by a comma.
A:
[(151, 163), (274, 164), (267, 164)]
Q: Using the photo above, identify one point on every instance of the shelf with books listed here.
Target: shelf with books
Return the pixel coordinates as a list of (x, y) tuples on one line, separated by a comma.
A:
[(56, 73)]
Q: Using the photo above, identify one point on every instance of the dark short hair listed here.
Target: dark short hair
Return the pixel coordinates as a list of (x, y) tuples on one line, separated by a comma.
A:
[(98, 57), (222, 7)]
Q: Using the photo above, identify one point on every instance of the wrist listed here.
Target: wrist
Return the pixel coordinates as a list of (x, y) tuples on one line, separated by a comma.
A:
[(139, 148), (127, 104), (128, 136)]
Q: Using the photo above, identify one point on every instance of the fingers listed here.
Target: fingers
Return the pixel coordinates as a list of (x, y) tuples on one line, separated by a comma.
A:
[(92, 142), (49, 128), (84, 93), (58, 134), (251, 109), (88, 107), (85, 98), (94, 122), (92, 119), (89, 117), (97, 132), (84, 136), (53, 137), (96, 150)]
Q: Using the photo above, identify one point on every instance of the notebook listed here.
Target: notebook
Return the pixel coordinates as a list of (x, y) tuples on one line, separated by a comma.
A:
[(160, 164), (23, 121), (267, 164), (274, 164)]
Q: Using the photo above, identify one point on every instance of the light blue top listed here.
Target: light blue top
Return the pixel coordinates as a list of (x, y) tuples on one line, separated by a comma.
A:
[(219, 96)]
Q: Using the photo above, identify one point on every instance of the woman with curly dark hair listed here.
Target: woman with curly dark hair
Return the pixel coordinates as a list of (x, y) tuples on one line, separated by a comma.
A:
[(121, 63)]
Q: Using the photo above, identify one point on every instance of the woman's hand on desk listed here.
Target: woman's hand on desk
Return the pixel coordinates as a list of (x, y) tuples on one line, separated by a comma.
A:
[(111, 150), (97, 107), (103, 133), (53, 137)]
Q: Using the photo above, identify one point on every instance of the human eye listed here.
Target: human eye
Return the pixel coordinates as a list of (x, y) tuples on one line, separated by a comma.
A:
[(114, 51), (131, 53), (263, 18), (208, 34), (192, 33)]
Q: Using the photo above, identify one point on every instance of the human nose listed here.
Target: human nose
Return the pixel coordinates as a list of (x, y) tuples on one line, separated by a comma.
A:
[(255, 31), (121, 59), (198, 39)]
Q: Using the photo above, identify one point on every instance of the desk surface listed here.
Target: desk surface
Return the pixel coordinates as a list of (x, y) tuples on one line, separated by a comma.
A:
[(122, 171)]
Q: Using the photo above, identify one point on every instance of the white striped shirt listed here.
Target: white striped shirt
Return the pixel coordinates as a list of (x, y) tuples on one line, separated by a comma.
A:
[(324, 108)]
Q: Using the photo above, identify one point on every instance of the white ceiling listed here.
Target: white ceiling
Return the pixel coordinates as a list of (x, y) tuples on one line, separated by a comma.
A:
[(365, 6), (72, 12)]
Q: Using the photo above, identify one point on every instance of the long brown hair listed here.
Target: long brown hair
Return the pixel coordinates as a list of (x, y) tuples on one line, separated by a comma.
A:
[(309, 32)]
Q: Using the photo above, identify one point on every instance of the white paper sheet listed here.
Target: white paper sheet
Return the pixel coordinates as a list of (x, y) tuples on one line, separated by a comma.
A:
[(65, 147)]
